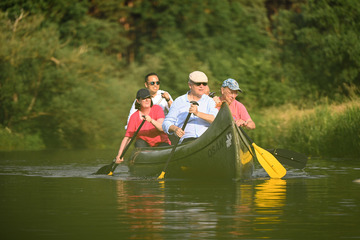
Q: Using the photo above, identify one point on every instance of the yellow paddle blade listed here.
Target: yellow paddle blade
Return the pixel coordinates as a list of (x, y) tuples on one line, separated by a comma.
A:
[(162, 175), (271, 165)]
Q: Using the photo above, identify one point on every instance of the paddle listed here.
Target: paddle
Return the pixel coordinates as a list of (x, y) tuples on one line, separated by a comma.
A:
[(109, 169), (287, 157), (212, 94), (271, 165), (176, 143)]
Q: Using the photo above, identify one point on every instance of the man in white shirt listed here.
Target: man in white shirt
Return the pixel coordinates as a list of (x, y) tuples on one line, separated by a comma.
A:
[(158, 97), (202, 116)]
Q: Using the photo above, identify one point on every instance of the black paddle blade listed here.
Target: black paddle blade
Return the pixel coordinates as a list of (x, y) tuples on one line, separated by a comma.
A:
[(105, 169), (290, 158)]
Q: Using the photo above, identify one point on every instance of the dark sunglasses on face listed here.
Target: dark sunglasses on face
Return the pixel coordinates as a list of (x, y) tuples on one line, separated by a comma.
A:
[(153, 83), (198, 84)]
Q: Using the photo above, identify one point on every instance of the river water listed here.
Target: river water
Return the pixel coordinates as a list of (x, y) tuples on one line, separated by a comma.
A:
[(53, 195)]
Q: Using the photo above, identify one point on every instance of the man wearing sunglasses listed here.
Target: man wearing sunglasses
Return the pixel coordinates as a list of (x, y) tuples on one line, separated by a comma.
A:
[(158, 97), (202, 116)]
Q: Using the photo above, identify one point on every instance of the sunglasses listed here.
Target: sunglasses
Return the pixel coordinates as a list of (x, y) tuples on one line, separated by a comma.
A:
[(198, 84), (153, 83)]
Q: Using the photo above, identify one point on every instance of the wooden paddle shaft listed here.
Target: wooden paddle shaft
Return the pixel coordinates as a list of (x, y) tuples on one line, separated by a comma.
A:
[(127, 146), (177, 142)]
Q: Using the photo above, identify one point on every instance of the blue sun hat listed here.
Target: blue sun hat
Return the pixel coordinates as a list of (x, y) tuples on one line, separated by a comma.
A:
[(232, 84)]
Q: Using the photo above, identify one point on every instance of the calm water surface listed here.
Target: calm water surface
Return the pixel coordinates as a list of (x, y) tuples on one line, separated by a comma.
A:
[(53, 195)]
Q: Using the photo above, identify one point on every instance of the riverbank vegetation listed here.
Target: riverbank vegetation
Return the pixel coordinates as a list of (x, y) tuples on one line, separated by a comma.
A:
[(326, 130), (69, 70)]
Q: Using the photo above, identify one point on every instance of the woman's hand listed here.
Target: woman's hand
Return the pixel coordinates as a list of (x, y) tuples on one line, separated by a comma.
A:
[(147, 118), (119, 160), (124, 142)]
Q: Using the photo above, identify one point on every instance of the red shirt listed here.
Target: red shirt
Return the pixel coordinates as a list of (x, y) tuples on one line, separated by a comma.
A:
[(147, 132)]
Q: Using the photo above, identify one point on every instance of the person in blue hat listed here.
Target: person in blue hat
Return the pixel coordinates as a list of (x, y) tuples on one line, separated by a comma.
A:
[(229, 91)]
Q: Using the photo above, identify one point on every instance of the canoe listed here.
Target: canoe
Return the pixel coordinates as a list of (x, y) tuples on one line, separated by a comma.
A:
[(221, 153)]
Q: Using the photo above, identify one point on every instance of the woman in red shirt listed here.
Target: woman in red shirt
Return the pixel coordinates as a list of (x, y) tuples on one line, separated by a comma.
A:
[(151, 133)]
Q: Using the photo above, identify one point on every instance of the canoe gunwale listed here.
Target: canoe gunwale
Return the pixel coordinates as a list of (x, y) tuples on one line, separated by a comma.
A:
[(174, 159), (247, 145)]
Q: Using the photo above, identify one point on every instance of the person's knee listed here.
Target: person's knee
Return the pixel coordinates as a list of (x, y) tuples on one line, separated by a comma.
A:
[(141, 143), (163, 144), (188, 140)]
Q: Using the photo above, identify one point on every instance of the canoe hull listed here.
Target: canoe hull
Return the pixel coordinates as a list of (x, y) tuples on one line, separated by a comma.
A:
[(220, 153)]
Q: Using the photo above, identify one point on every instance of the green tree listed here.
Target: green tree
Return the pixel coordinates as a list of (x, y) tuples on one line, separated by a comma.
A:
[(320, 48), (60, 92)]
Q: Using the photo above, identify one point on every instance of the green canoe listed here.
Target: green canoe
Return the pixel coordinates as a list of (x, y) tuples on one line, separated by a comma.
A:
[(221, 153)]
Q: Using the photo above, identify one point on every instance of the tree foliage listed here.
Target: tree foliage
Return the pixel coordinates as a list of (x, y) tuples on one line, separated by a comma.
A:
[(61, 93), (320, 47), (69, 69)]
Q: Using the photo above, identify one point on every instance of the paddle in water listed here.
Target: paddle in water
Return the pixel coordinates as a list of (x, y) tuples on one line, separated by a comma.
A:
[(109, 169), (271, 165), (162, 175), (290, 158)]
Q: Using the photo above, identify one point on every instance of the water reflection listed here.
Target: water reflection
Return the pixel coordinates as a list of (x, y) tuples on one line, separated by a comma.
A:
[(241, 224), (269, 201), (45, 197), (143, 209), (270, 195), (259, 207), (235, 209)]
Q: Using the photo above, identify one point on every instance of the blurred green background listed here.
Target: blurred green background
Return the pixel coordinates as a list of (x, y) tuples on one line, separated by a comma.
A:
[(70, 69)]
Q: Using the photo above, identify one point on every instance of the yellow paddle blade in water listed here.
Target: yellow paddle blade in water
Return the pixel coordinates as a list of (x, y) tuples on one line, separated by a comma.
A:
[(271, 165), (162, 175)]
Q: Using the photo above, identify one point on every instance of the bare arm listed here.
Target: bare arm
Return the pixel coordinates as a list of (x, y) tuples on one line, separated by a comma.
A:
[(178, 131), (250, 124), (207, 117), (157, 123), (123, 144)]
